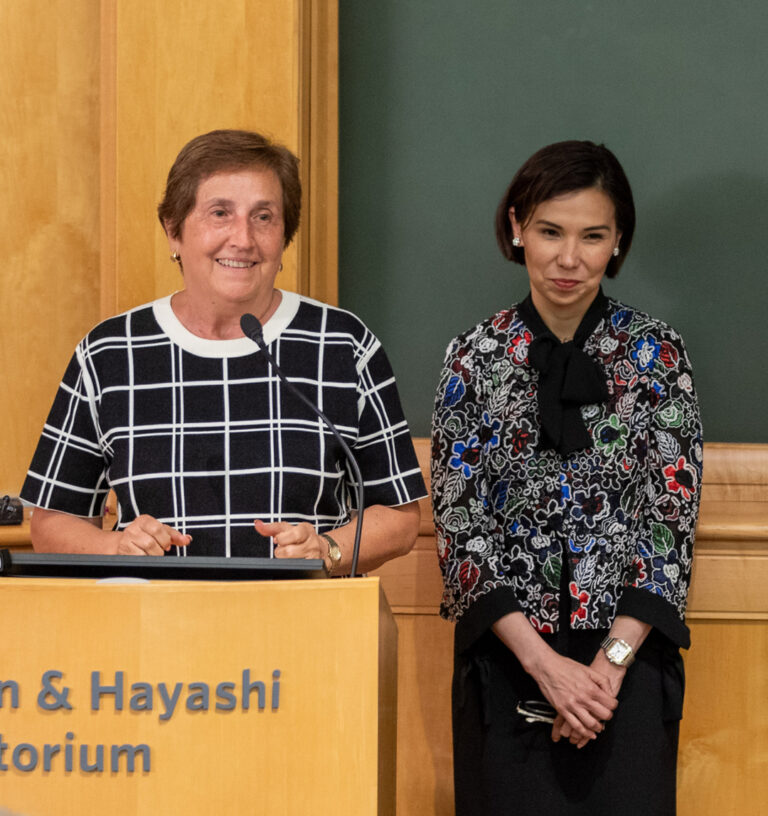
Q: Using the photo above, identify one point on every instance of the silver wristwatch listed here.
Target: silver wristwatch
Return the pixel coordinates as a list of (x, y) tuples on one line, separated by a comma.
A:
[(618, 651)]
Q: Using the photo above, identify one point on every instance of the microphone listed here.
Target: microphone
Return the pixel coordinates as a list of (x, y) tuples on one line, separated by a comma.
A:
[(252, 329)]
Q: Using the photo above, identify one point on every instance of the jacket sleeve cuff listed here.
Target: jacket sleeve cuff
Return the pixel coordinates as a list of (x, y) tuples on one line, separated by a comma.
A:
[(653, 609), (483, 613)]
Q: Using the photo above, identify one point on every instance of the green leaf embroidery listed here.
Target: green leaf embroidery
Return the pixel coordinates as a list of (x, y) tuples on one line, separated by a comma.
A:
[(663, 540)]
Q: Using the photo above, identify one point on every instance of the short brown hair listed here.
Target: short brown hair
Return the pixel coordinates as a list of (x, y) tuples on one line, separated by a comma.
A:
[(220, 151), (558, 169)]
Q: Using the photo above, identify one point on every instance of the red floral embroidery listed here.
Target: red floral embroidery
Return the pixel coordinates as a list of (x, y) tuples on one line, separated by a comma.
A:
[(518, 348), (583, 599), (681, 478), (519, 441), (503, 321), (458, 366), (669, 355), (638, 573), (544, 628)]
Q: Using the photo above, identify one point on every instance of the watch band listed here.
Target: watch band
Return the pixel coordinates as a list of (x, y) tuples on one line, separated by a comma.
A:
[(334, 553)]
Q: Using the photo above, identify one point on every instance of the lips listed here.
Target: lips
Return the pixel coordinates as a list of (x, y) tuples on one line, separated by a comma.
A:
[(565, 283), (231, 263)]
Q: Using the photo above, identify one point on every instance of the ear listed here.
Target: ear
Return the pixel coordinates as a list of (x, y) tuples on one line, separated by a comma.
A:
[(173, 243), (517, 230)]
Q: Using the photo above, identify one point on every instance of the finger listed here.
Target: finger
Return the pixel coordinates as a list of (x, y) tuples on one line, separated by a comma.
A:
[(307, 549), (179, 539), (582, 743), (295, 535), (151, 546), (129, 548), (589, 722), (147, 532), (564, 730), (131, 544), (600, 712), (272, 528), (573, 725)]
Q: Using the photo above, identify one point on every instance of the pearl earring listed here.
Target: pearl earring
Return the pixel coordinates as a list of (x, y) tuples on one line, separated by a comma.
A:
[(516, 242), (615, 252)]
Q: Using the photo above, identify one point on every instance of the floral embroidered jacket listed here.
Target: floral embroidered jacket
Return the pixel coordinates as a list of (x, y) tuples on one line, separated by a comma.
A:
[(621, 514)]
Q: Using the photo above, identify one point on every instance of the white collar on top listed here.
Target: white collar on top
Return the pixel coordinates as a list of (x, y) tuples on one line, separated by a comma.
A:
[(240, 346)]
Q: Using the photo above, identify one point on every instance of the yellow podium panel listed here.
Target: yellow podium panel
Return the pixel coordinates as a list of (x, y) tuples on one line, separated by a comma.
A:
[(196, 697)]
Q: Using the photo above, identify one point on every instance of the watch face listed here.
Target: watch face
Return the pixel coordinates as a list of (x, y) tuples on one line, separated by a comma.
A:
[(618, 652)]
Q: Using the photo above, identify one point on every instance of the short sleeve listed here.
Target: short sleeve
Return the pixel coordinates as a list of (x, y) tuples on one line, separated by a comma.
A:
[(384, 448), (68, 470)]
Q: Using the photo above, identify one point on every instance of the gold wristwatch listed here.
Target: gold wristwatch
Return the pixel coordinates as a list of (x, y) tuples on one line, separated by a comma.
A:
[(334, 553), (618, 651)]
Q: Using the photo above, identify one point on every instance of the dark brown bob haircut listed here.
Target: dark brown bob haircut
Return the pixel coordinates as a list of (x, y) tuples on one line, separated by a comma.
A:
[(562, 168), (222, 151)]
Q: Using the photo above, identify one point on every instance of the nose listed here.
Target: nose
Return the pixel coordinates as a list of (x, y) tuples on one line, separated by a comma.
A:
[(242, 233), (568, 257)]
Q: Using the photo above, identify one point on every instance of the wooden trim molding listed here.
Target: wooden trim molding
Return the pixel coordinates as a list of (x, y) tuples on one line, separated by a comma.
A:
[(108, 160), (319, 149)]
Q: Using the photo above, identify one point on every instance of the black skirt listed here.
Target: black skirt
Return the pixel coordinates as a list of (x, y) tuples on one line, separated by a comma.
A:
[(503, 765)]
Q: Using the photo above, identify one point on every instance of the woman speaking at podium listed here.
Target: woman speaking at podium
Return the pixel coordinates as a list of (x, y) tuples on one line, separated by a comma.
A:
[(171, 406), (566, 477)]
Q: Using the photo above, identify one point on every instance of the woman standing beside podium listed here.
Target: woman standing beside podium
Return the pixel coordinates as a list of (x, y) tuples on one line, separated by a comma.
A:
[(179, 413), (566, 475)]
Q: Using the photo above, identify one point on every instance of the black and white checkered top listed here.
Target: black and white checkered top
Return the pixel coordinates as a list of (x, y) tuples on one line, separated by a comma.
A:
[(203, 435)]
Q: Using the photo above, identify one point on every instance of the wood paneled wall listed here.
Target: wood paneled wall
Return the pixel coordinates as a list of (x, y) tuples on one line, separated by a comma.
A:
[(724, 733), (49, 210), (98, 97)]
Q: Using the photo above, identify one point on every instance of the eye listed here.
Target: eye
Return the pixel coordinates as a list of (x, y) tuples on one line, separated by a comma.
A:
[(219, 213), (595, 236), (549, 232)]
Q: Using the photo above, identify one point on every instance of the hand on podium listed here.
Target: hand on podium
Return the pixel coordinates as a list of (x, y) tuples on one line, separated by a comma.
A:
[(294, 540), (145, 535)]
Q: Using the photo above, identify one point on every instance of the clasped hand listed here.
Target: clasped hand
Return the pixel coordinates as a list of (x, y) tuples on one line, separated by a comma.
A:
[(583, 697)]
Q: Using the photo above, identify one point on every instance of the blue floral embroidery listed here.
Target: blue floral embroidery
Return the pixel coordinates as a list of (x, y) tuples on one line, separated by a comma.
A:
[(621, 319), (467, 457), (645, 353)]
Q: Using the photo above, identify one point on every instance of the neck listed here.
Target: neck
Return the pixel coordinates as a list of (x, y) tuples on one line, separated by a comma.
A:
[(216, 320), (562, 322)]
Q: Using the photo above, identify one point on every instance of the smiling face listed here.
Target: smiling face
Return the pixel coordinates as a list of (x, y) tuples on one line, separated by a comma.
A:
[(232, 241), (568, 241)]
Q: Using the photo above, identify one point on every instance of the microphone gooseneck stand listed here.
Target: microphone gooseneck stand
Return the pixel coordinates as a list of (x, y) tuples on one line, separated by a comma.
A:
[(252, 329)]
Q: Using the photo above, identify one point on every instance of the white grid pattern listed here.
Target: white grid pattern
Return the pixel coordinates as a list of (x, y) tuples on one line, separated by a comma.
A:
[(203, 436)]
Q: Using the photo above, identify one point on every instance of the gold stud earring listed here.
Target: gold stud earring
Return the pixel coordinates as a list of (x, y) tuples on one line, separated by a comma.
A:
[(175, 257)]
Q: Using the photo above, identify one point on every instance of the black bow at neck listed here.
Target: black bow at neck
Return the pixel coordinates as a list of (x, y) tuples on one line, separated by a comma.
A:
[(568, 377)]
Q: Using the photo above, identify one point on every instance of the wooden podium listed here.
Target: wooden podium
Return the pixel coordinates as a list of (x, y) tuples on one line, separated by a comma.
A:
[(273, 697)]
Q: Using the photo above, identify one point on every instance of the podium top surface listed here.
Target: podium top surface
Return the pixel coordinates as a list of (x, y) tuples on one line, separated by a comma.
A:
[(188, 568)]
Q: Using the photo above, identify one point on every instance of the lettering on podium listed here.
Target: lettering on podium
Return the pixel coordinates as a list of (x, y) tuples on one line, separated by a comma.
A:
[(114, 693)]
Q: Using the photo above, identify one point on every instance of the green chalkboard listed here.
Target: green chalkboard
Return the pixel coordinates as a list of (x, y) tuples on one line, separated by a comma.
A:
[(442, 100)]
